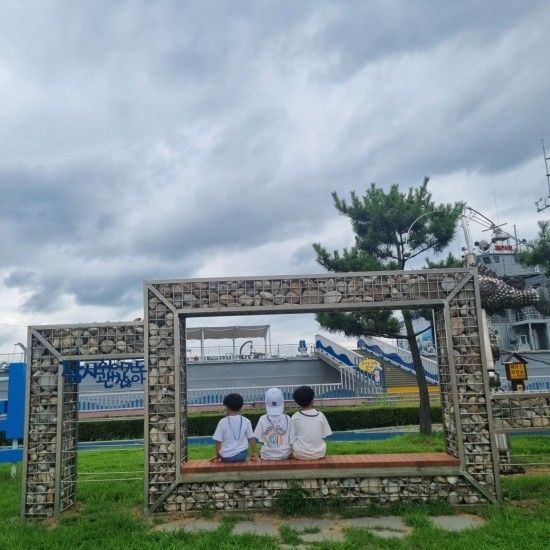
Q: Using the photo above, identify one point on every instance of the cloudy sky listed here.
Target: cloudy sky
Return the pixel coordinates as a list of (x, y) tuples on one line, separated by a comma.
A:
[(177, 139)]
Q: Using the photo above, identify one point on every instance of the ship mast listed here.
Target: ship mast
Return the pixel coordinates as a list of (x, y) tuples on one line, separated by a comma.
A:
[(498, 233), (544, 201), (470, 257)]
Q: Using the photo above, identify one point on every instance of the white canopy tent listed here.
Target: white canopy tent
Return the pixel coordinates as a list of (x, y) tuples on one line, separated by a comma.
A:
[(228, 333)]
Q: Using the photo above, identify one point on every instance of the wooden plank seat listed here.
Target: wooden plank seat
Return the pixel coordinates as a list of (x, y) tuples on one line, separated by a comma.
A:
[(405, 460)]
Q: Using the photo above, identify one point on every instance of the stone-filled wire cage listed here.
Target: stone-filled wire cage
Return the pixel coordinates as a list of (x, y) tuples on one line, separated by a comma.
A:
[(452, 293), (50, 437), (51, 417)]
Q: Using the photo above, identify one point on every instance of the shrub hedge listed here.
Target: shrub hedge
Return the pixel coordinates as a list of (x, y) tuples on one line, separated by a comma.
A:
[(340, 418)]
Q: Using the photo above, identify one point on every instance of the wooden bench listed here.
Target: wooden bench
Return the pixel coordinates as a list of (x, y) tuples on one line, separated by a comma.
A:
[(333, 462)]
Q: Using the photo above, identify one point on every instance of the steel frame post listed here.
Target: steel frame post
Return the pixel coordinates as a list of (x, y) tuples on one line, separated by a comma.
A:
[(454, 389), (488, 401)]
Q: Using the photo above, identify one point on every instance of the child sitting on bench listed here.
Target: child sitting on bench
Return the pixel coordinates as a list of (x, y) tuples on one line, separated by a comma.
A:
[(309, 427), (233, 433), (274, 428)]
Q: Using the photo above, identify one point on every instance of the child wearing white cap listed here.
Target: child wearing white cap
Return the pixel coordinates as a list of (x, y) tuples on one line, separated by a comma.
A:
[(274, 428)]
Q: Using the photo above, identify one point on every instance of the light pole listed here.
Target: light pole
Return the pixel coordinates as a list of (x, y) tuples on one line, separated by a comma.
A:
[(408, 232), (419, 217)]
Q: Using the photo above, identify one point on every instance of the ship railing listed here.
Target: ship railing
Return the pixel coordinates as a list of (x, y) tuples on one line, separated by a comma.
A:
[(527, 314), (257, 352)]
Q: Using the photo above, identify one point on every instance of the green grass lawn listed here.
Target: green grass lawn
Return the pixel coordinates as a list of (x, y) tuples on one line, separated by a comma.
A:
[(109, 514)]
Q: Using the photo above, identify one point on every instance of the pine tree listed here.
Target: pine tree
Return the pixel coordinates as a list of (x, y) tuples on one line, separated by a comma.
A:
[(391, 228), (539, 249)]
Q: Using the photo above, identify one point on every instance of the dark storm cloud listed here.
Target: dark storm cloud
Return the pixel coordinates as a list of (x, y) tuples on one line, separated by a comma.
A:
[(370, 31), (19, 279), (62, 205), (140, 139)]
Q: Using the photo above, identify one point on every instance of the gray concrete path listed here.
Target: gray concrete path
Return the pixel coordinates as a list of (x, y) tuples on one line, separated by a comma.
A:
[(311, 531)]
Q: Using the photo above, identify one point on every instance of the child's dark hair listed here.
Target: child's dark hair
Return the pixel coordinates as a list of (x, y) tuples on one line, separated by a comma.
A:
[(304, 395), (233, 401)]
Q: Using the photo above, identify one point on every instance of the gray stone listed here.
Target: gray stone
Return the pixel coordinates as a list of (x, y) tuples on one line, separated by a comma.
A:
[(457, 523), (256, 528), (371, 486), (332, 297), (106, 346), (48, 381), (448, 283)]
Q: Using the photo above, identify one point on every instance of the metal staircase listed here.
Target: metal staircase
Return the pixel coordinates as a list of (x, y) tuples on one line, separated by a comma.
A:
[(346, 361), (398, 365)]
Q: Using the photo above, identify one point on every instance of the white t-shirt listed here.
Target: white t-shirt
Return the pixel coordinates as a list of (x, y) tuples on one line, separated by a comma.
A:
[(233, 432), (309, 428), (275, 433)]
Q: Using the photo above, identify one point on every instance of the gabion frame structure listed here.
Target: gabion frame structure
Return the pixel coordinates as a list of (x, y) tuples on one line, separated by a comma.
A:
[(521, 412), (51, 405), (50, 436), (452, 293)]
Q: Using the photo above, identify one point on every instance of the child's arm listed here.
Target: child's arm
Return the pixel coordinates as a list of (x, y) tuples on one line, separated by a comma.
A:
[(292, 434), (218, 438), (252, 443), (326, 426), (251, 440), (217, 457)]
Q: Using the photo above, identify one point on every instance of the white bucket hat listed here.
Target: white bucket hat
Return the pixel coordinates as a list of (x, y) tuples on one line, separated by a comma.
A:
[(274, 402)]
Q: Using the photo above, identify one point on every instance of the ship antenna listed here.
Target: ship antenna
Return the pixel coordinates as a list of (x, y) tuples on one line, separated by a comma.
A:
[(545, 202)]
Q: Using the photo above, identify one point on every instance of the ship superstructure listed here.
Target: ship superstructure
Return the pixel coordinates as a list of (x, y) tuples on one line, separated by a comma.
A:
[(525, 330)]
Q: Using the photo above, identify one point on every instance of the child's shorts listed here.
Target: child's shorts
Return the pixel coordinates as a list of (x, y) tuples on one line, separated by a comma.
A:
[(239, 457)]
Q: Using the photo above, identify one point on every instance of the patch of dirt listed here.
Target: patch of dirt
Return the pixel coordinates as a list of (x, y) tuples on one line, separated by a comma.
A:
[(74, 511), (51, 523), (538, 470), (137, 512), (527, 504)]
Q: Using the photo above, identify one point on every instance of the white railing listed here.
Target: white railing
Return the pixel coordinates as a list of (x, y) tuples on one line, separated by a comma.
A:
[(387, 348), (108, 401), (534, 383), (214, 396), (256, 394), (527, 314), (257, 351), (16, 357), (347, 362)]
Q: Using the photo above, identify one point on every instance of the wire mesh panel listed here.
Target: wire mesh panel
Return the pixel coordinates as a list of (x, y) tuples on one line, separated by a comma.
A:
[(354, 489), (521, 412), (182, 390), (448, 405), (39, 475), (480, 456), (69, 435), (101, 340), (316, 292), (161, 434)]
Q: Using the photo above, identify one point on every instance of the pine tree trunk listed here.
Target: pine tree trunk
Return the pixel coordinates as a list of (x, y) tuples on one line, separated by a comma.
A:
[(425, 418)]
